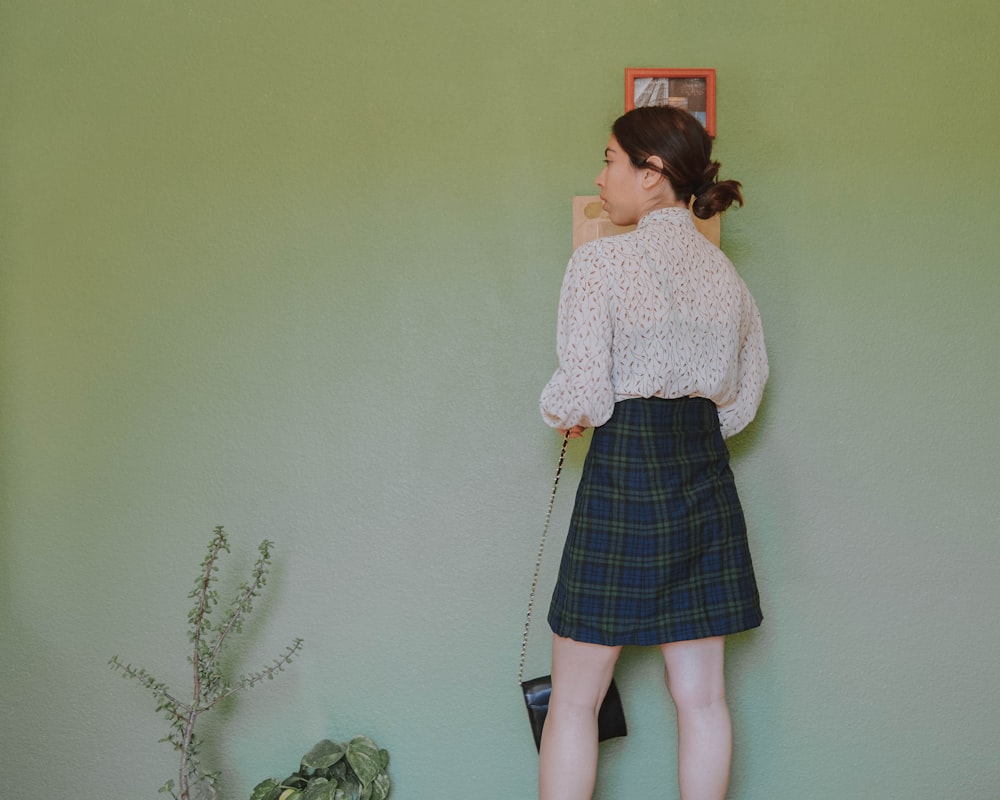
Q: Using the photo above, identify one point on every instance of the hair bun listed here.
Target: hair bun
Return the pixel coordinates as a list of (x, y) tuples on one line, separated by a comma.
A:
[(708, 177)]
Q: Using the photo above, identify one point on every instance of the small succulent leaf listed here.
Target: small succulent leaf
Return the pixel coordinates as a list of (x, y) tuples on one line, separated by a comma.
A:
[(364, 757), (323, 755)]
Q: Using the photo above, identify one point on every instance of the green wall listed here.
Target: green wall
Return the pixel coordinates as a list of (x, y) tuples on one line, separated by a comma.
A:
[(293, 267)]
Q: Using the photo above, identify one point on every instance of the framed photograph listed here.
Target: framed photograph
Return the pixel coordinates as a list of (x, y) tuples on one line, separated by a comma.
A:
[(690, 89)]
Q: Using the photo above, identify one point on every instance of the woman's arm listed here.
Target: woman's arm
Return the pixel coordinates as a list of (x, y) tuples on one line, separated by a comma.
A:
[(752, 374), (580, 394)]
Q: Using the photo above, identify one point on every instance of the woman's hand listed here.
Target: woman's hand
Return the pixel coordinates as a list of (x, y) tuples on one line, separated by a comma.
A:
[(573, 433)]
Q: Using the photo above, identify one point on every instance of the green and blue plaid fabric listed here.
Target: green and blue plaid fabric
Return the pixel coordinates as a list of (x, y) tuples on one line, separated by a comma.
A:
[(657, 546)]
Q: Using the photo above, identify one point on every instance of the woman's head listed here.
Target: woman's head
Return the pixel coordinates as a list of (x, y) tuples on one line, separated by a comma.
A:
[(672, 142)]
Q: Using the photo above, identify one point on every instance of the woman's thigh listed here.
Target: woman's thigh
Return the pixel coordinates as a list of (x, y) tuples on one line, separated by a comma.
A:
[(581, 672)]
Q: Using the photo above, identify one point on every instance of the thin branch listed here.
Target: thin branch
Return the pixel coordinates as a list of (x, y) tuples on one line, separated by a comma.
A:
[(267, 673), (241, 605)]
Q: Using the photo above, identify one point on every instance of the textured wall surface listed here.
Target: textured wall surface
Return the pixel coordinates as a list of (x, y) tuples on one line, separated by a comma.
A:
[(293, 268)]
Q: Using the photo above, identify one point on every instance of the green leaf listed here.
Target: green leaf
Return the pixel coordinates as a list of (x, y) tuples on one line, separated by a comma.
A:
[(341, 771), (323, 755), (348, 792), (295, 781), (268, 789), (365, 758), (380, 787), (320, 789)]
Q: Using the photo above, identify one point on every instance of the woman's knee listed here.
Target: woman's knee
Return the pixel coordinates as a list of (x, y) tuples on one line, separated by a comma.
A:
[(695, 695), (695, 673)]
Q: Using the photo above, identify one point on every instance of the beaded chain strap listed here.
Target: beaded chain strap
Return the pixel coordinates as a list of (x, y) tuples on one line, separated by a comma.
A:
[(538, 561)]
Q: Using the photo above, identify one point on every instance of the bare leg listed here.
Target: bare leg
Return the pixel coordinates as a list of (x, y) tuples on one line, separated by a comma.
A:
[(695, 676), (581, 674)]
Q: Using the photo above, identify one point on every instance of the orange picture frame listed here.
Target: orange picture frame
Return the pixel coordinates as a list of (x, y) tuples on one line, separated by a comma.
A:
[(690, 89)]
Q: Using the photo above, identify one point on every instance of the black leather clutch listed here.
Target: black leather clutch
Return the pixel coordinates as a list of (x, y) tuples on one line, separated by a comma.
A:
[(610, 719)]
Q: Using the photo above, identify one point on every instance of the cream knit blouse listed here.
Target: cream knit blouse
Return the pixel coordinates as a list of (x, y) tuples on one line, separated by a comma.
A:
[(657, 312)]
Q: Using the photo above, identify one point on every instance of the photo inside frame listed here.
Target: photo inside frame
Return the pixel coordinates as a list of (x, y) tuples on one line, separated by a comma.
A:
[(691, 94)]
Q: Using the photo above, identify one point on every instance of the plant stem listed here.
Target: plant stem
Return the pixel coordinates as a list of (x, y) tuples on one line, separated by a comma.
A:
[(198, 628)]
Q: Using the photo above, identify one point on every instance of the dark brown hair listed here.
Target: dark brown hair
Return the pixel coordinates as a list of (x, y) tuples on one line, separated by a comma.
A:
[(686, 150)]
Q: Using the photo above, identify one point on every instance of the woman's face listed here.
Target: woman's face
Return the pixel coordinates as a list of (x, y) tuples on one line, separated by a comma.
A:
[(621, 186)]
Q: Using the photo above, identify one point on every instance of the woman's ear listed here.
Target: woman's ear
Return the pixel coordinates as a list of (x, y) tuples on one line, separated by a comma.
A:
[(655, 162), (652, 171), (655, 180)]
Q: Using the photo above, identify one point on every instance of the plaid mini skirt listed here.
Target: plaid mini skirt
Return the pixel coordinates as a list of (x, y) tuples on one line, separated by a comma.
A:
[(657, 544)]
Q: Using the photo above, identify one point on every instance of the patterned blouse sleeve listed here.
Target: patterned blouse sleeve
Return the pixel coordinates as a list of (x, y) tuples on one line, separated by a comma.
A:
[(753, 369), (581, 390)]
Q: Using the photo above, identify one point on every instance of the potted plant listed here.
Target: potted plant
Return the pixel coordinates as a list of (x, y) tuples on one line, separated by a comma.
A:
[(354, 770), (208, 637)]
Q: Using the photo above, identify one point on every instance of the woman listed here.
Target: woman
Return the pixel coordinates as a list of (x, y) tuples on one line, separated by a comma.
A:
[(661, 352)]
